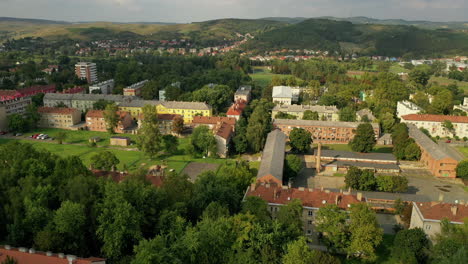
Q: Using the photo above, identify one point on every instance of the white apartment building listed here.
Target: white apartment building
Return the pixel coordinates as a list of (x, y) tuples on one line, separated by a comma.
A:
[(407, 108), (434, 124), (285, 95), (86, 70), (105, 87)]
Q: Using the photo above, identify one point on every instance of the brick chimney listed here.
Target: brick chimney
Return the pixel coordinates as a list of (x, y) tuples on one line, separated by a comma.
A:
[(454, 209), (318, 157)]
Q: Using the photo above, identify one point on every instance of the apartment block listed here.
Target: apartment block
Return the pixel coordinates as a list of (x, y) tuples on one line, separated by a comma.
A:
[(435, 124), (407, 108), (54, 117), (95, 121), (87, 71), (134, 89), (325, 113), (243, 93), (105, 87)]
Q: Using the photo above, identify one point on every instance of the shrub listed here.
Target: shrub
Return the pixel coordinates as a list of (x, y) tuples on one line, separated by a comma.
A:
[(387, 183)]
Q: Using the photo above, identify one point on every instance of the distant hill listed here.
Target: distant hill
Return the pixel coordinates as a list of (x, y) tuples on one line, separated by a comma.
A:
[(372, 39), (31, 20), (367, 20)]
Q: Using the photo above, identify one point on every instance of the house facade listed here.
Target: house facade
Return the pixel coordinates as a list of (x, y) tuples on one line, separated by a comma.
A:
[(407, 108), (243, 93), (325, 113), (324, 131), (86, 71), (134, 89), (105, 87), (54, 117), (435, 124), (95, 121), (223, 130)]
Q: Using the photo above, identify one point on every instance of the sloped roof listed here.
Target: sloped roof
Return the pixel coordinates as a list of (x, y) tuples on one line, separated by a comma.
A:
[(57, 110), (341, 154), (302, 108), (273, 156), (436, 118), (40, 257), (294, 122), (315, 198), (438, 211), (213, 120), (282, 92), (425, 142)]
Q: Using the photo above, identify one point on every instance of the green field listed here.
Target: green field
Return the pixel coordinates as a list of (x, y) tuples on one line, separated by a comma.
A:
[(131, 159), (396, 68), (345, 147), (447, 81), (262, 76)]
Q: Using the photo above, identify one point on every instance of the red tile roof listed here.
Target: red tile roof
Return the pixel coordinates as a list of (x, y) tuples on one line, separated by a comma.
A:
[(42, 258), (237, 108), (56, 110), (211, 120), (316, 198), (38, 89), (8, 93), (118, 177), (224, 130), (436, 118), (439, 211), (100, 114)]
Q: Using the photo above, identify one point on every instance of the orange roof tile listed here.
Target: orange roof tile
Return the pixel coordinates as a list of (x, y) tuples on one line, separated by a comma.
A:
[(316, 198), (213, 120), (41, 257), (436, 118), (439, 211)]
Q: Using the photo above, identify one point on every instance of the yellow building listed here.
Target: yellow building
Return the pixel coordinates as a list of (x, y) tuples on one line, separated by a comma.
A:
[(185, 109), (58, 117)]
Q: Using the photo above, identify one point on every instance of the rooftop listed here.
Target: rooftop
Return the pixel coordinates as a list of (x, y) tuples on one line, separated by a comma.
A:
[(341, 154), (314, 198), (87, 97), (282, 92), (167, 104), (436, 118), (100, 114), (302, 108), (273, 156), (425, 142), (438, 211), (316, 123), (213, 120), (57, 110), (30, 256), (244, 89)]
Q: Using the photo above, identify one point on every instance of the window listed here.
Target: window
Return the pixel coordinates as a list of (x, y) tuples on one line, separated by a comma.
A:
[(309, 222), (428, 227), (310, 213)]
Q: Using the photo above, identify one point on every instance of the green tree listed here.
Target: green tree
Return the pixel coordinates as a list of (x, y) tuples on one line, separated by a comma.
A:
[(60, 137), (409, 244), (17, 123), (366, 234), (352, 178), (442, 103), (447, 125), (170, 143), (293, 165), (298, 252), (310, 115), (392, 183), (331, 221), (420, 75), (462, 169), (218, 96), (100, 104), (290, 215), (300, 140), (240, 139), (178, 125), (257, 207), (203, 141), (367, 181), (32, 116), (387, 121), (259, 124), (282, 115), (364, 138), (347, 114), (104, 160), (149, 138), (412, 152), (111, 117)]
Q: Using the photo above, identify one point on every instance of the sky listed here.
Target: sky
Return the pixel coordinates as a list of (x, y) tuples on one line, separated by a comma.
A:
[(182, 11)]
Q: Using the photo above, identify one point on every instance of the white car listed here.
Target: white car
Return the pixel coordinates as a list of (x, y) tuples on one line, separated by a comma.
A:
[(40, 136)]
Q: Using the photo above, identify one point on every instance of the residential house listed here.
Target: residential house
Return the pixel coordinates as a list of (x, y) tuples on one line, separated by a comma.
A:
[(54, 117), (223, 130), (439, 162), (134, 89), (325, 113), (243, 93), (236, 109), (31, 256), (105, 87), (95, 121), (435, 124), (428, 216), (84, 102), (324, 131), (74, 90), (282, 95), (6, 95), (365, 112), (165, 122), (407, 108)]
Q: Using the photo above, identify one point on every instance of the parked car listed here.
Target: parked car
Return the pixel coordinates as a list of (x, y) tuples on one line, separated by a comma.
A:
[(18, 135), (35, 136), (3, 133), (448, 141)]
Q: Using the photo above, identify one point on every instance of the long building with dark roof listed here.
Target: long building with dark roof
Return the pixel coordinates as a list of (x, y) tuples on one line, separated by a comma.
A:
[(271, 167), (436, 159)]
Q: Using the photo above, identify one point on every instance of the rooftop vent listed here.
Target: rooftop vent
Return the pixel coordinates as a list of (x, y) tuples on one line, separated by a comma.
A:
[(23, 249), (7, 247), (324, 202), (32, 251), (49, 254), (61, 255)]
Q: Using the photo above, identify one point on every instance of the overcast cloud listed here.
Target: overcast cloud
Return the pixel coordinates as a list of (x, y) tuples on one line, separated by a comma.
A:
[(200, 10)]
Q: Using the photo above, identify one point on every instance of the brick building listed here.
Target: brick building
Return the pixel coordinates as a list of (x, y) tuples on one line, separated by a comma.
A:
[(324, 131), (6, 95), (95, 121), (134, 89), (436, 159), (54, 117), (272, 164), (435, 124), (31, 256), (165, 122), (105, 87), (236, 109), (223, 130), (86, 71)]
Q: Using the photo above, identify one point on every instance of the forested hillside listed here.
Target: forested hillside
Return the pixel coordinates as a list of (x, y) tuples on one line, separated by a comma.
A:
[(362, 38)]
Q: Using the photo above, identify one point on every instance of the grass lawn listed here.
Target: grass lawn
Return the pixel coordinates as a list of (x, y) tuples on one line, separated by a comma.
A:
[(447, 81), (79, 136), (396, 68), (345, 147), (262, 76), (129, 158), (463, 150)]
